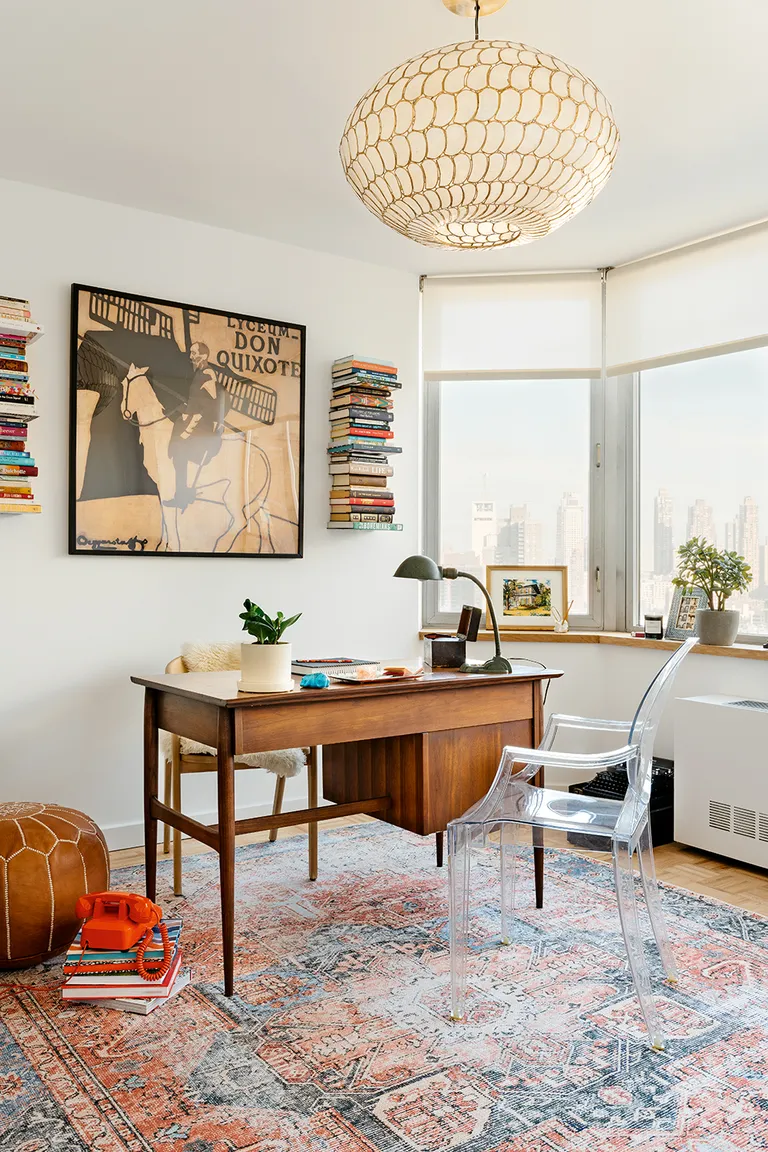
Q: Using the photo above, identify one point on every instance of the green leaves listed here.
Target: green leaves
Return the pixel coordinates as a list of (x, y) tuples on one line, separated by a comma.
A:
[(263, 628), (718, 574)]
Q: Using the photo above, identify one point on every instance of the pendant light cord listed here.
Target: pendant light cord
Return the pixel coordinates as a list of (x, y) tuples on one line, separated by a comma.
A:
[(477, 20)]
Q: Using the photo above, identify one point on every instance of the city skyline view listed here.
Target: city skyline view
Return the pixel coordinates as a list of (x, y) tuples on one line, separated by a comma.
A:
[(701, 473), (497, 504)]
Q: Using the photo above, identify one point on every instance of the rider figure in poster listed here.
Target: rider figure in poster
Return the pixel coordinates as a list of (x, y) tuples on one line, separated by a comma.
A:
[(197, 430)]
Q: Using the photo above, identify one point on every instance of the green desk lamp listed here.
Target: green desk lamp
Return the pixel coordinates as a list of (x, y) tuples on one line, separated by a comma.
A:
[(424, 568)]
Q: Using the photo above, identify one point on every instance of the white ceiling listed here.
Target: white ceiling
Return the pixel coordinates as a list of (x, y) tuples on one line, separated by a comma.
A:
[(229, 112)]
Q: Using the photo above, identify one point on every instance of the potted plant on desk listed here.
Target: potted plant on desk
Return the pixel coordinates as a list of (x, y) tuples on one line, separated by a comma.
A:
[(265, 663), (718, 575)]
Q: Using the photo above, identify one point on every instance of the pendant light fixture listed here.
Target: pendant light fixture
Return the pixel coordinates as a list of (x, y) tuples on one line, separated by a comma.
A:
[(480, 144)]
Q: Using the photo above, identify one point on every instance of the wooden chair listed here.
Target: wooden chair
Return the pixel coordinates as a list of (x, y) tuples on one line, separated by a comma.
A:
[(180, 764)]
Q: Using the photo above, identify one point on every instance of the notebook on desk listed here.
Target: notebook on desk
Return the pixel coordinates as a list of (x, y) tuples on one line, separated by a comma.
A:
[(331, 664)]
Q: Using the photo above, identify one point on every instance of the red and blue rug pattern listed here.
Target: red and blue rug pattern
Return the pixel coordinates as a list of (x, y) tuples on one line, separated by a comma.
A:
[(339, 1040)]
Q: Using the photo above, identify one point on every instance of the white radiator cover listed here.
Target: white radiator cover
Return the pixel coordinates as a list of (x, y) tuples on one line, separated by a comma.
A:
[(721, 776)]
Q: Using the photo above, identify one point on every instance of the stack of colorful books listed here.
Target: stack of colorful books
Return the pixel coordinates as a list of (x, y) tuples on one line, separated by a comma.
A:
[(110, 978), (17, 407), (361, 447)]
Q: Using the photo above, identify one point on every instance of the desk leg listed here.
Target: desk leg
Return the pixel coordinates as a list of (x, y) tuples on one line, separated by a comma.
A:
[(439, 848), (312, 801), (226, 783), (150, 791)]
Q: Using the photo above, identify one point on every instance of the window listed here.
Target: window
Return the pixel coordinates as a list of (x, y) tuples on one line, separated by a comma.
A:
[(513, 482), (703, 438)]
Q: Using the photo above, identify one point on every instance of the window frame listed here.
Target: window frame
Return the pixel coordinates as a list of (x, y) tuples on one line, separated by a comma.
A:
[(630, 434), (594, 620)]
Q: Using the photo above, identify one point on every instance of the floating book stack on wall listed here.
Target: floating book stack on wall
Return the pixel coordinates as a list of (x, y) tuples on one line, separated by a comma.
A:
[(17, 407), (362, 444)]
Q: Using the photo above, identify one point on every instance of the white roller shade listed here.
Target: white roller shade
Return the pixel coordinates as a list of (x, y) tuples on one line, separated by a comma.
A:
[(688, 302), (515, 324)]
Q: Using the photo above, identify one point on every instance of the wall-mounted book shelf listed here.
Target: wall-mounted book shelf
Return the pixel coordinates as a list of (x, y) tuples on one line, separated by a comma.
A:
[(361, 450), (18, 407)]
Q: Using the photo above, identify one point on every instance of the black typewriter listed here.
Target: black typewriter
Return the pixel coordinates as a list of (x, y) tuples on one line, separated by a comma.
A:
[(613, 784)]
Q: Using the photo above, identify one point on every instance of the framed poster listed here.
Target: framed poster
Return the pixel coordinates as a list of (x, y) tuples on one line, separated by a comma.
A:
[(681, 622), (523, 597), (186, 429)]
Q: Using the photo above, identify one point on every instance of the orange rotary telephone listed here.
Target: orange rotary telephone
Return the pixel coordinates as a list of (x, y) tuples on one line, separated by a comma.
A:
[(117, 921)]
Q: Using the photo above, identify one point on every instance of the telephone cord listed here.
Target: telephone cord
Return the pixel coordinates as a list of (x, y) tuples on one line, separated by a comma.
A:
[(165, 967)]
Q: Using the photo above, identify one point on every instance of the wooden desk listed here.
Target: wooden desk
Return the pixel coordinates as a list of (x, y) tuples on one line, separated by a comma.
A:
[(415, 754)]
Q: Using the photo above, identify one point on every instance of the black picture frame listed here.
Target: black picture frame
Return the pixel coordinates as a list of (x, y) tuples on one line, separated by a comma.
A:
[(685, 602), (144, 346)]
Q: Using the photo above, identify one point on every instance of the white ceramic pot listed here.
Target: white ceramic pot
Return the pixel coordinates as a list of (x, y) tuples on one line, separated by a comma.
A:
[(265, 668)]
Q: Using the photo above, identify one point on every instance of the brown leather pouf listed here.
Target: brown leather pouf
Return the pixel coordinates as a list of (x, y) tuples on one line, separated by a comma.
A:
[(48, 857)]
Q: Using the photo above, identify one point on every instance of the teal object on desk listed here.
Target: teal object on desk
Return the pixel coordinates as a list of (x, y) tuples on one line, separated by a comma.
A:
[(315, 680)]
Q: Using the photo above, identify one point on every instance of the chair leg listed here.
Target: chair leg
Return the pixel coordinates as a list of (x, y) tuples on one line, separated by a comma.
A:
[(507, 853), (439, 849), (176, 805), (167, 802), (538, 865), (630, 926), (459, 876), (312, 803), (277, 804), (653, 901)]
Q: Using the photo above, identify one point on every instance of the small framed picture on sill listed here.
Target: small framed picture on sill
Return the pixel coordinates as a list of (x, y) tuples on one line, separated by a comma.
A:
[(681, 621), (525, 596)]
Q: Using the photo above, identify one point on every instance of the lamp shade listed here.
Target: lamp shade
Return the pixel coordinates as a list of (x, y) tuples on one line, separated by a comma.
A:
[(480, 144), (419, 568)]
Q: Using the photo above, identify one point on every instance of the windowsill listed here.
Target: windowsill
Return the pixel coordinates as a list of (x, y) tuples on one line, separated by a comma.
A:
[(619, 639)]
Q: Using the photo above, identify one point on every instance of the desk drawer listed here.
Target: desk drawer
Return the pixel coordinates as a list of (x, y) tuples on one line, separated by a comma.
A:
[(325, 718), (431, 777)]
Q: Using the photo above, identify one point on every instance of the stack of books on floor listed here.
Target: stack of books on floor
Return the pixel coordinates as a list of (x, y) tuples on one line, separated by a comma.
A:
[(361, 446), (110, 978), (17, 408)]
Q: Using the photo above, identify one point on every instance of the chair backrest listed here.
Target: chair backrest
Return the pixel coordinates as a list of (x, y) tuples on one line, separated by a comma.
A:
[(176, 665), (647, 718)]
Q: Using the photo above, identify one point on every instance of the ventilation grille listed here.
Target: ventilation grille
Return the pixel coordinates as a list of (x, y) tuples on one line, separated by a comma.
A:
[(741, 821), (745, 822), (755, 705), (720, 816)]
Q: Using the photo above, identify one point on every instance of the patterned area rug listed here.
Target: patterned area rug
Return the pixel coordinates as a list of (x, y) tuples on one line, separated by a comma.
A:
[(338, 1039)]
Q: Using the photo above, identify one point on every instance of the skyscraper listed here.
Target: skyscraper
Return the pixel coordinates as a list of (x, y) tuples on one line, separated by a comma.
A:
[(520, 539), (570, 547), (748, 544), (663, 543), (483, 530), (701, 522)]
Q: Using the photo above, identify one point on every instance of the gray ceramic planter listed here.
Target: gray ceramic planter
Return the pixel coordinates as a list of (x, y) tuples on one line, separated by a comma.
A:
[(717, 627)]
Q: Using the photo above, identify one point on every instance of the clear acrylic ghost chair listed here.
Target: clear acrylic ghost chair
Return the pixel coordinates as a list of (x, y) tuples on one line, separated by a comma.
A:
[(624, 826)]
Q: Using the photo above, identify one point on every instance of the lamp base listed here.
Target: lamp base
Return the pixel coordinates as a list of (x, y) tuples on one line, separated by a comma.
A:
[(496, 666)]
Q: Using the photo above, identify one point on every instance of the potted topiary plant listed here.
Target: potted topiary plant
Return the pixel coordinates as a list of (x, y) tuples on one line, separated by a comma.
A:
[(718, 575), (265, 663)]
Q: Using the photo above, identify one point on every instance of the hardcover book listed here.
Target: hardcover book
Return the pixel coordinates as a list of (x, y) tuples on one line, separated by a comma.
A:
[(367, 527), (361, 494)]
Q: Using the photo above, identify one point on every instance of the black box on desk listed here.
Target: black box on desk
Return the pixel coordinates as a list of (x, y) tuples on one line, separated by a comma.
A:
[(443, 651), (612, 785)]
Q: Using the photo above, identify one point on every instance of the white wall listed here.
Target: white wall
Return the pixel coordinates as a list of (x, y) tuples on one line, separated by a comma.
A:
[(75, 628), (606, 681)]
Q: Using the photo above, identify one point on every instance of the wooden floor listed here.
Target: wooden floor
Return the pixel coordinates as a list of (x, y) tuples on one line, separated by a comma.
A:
[(737, 884)]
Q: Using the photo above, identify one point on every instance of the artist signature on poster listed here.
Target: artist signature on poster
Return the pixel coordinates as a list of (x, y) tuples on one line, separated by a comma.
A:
[(116, 545)]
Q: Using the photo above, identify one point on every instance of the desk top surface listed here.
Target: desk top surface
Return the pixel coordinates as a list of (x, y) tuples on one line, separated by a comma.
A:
[(220, 688)]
